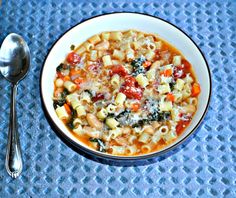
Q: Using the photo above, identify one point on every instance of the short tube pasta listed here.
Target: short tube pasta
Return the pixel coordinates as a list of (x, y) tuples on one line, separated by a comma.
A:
[(169, 136), (142, 80), (115, 36), (144, 137), (75, 103), (104, 45), (102, 114), (150, 55), (107, 60), (177, 60), (166, 106), (111, 108), (148, 129), (188, 109), (156, 137), (78, 130), (118, 150), (88, 46), (163, 130), (115, 80), (93, 55), (62, 113), (120, 98), (111, 123), (105, 35), (146, 148), (94, 39), (131, 150), (114, 133), (70, 86), (118, 55), (80, 110), (132, 138)]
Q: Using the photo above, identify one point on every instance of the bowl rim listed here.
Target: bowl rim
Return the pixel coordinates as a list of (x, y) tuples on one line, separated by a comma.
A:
[(115, 157)]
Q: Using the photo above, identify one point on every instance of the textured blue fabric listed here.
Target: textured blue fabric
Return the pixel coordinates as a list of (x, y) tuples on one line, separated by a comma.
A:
[(203, 167)]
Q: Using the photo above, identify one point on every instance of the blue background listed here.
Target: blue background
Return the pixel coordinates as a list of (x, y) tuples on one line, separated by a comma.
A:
[(205, 166)]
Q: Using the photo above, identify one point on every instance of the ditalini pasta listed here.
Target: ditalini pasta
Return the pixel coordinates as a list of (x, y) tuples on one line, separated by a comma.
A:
[(125, 93)]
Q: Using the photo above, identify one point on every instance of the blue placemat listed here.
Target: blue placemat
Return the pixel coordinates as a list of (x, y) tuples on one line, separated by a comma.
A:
[(204, 167)]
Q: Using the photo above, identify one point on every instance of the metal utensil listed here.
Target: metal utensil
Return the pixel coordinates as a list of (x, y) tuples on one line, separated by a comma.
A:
[(14, 65)]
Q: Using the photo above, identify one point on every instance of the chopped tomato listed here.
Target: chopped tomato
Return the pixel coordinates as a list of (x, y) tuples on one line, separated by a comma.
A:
[(99, 96), (135, 107), (130, 81), (181, 126), (157, 55), (73, 58), (118, 69), (186, 64), (131, 88), (196, 89), (67, 107), (132, 92), (179, 72), (147, 64), (170, 97), (166, 73)]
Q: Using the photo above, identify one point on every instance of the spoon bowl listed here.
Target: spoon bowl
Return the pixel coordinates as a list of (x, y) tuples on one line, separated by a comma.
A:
[(14, 65), (14, 58)]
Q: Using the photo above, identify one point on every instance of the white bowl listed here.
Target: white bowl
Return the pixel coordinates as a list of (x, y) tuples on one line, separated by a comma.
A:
[(125, 21)]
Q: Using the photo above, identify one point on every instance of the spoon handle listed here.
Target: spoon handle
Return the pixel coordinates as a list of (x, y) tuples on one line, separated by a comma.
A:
[(13, 156)]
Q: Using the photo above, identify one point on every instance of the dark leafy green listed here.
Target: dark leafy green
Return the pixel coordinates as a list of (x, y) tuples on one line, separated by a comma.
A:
[(60, 102), (159, 116), (140, 123), (164, 116), (89, 92), (172, 84), (57, 103), (124, 113), (138, 66), (62, 66), (71, 120), (101, 144), (72, 47)]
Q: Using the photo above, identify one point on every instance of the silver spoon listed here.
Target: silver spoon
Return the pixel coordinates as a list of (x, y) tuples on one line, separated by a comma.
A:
[(14, 65)]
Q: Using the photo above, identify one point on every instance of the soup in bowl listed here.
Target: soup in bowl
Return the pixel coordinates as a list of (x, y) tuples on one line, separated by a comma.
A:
[(130, 90)]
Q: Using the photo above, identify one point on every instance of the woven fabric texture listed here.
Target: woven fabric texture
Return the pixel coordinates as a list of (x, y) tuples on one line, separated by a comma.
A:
[(205, 166)]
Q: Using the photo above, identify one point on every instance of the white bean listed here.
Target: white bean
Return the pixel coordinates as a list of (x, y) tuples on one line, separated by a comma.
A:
[(93, 121)]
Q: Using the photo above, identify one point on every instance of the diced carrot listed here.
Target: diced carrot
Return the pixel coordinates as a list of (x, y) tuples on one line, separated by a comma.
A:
[(196, 89), (66, 78), (59, 75), (170, 97), (147, 64), (67, 107), (74, 72), (166, 73), (135, 107), (78, 80)]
